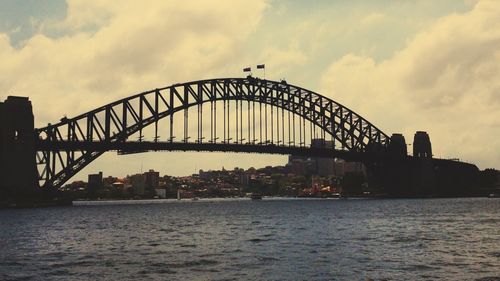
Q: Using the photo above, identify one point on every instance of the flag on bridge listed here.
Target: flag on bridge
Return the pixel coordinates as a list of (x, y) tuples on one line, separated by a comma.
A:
[(247, 69), (261, 66)]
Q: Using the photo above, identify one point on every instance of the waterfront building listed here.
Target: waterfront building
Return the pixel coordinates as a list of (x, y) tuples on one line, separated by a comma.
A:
[(161, 192), (152, 179), (298, 166), (94, 184), (343, 167), (244, 180), (322, 166), (109, 181), (119, 185), (354, 167), (208, 175), (138, 182), (339, 168)]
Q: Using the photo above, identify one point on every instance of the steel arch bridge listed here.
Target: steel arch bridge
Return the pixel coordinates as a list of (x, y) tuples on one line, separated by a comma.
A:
[(243, 115)]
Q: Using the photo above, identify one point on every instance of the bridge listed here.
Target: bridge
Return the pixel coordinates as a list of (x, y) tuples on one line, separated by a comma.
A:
[(227, 114)]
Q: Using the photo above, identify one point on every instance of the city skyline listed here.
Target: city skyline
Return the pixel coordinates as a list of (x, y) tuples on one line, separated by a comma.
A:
[(82, 51)]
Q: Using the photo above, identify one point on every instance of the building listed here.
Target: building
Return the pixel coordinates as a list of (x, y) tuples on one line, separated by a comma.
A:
[(298, 166), (138, 182), (342, 167), (244, 180), (120, 185), (339, 168), (95, 183), (152, 179), (354, 167), (161, 192), (323, 166), (109, 181)]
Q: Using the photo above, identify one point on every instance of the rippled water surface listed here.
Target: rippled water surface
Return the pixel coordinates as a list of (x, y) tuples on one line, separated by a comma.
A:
[(450, 239)]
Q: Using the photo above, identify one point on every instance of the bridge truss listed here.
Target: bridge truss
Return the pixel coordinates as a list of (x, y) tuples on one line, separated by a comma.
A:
[(230, 114)]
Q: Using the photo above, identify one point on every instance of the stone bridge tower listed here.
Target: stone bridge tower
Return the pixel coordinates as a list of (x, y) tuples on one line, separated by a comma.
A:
[(18, 174)]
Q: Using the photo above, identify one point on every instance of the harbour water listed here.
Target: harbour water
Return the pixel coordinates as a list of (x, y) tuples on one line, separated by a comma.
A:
[(270, 239)]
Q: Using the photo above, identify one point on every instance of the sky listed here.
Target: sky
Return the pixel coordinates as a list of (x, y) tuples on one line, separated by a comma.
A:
[(403, 65)]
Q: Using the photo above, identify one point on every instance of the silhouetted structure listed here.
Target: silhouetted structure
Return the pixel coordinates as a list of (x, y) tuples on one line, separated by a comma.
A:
[(18, 175), (244, 114), (94, 184), (422, 145), (323, 166), (230, 114), (400, 175), (152, 181), (397, 146)]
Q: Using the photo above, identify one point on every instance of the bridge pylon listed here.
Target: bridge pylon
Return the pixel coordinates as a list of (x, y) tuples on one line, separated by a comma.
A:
[(18, 174)]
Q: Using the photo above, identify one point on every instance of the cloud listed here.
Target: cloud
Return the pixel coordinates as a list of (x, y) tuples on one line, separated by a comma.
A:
[(107, 50), (446, 81), (283, 59), (373, 18), (103, 51)]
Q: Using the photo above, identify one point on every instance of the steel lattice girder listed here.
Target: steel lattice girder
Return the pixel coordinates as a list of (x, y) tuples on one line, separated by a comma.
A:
[(116, 121)]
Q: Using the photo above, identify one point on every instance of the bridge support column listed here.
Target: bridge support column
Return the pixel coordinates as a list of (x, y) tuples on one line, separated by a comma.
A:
[(399, 175), (18, 174)]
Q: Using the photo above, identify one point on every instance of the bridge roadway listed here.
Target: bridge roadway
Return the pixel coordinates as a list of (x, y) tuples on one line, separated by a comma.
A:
[(129, 147)]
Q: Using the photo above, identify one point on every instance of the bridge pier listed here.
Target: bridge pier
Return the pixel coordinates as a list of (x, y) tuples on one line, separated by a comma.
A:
[(420, 175), (18, 174)]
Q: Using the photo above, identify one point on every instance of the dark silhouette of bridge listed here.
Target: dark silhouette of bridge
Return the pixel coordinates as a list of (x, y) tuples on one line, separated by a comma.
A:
[(244, 115), (229, 114)]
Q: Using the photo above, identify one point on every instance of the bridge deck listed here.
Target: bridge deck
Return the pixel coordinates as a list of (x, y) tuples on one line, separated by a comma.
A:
[(144, 146)]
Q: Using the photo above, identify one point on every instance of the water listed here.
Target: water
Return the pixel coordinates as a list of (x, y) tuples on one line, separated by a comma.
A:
[(449, 239)]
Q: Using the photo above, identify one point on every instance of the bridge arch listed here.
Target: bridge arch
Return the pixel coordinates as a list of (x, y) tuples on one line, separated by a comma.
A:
[(117, 121)]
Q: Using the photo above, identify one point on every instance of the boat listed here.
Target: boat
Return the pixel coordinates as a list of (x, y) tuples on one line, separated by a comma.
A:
[(335, 195), (256, 196)]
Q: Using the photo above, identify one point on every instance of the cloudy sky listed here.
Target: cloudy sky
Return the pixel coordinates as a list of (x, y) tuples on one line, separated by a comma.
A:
[(403, 65)]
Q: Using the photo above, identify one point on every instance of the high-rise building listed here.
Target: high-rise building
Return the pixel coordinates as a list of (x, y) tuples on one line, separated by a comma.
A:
[(323, 166), (152, 179), (138, 182), (95, 183)]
